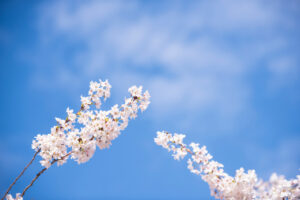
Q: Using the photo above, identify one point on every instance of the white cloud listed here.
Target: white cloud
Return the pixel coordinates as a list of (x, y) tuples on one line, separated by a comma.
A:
[(198, 48)]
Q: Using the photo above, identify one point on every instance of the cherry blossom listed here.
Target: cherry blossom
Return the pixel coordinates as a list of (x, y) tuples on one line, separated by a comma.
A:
[(81, 132), (78, 135), (18, 197), (244, 185)]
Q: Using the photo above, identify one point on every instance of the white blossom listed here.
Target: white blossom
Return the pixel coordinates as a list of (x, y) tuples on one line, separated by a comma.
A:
[(78, 135), (71, 116), (243, 186), (18, 197), (178, 138), (85, 102)]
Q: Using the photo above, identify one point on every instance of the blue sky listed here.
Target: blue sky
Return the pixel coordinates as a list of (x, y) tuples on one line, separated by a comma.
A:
[(226, 73)]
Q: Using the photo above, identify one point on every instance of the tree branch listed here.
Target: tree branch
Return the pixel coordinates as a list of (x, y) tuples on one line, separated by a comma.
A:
[(7, 191), (42, 171)]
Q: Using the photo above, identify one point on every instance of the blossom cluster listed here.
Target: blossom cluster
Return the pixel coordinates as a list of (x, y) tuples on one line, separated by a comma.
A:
[(18, 197), (244, 185), (78, 135)]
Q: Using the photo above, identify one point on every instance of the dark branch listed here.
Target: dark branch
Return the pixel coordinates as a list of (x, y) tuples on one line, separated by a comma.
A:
[(7, 191), (41, 172)]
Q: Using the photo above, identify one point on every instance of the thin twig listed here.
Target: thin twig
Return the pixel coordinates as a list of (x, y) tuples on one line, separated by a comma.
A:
[(7, 191), (42, 171)]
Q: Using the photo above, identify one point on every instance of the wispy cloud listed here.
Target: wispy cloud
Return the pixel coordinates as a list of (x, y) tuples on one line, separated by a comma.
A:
[(193, 56)]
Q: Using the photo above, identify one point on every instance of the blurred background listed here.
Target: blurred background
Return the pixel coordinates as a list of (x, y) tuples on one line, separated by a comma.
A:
[(226, 73)]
